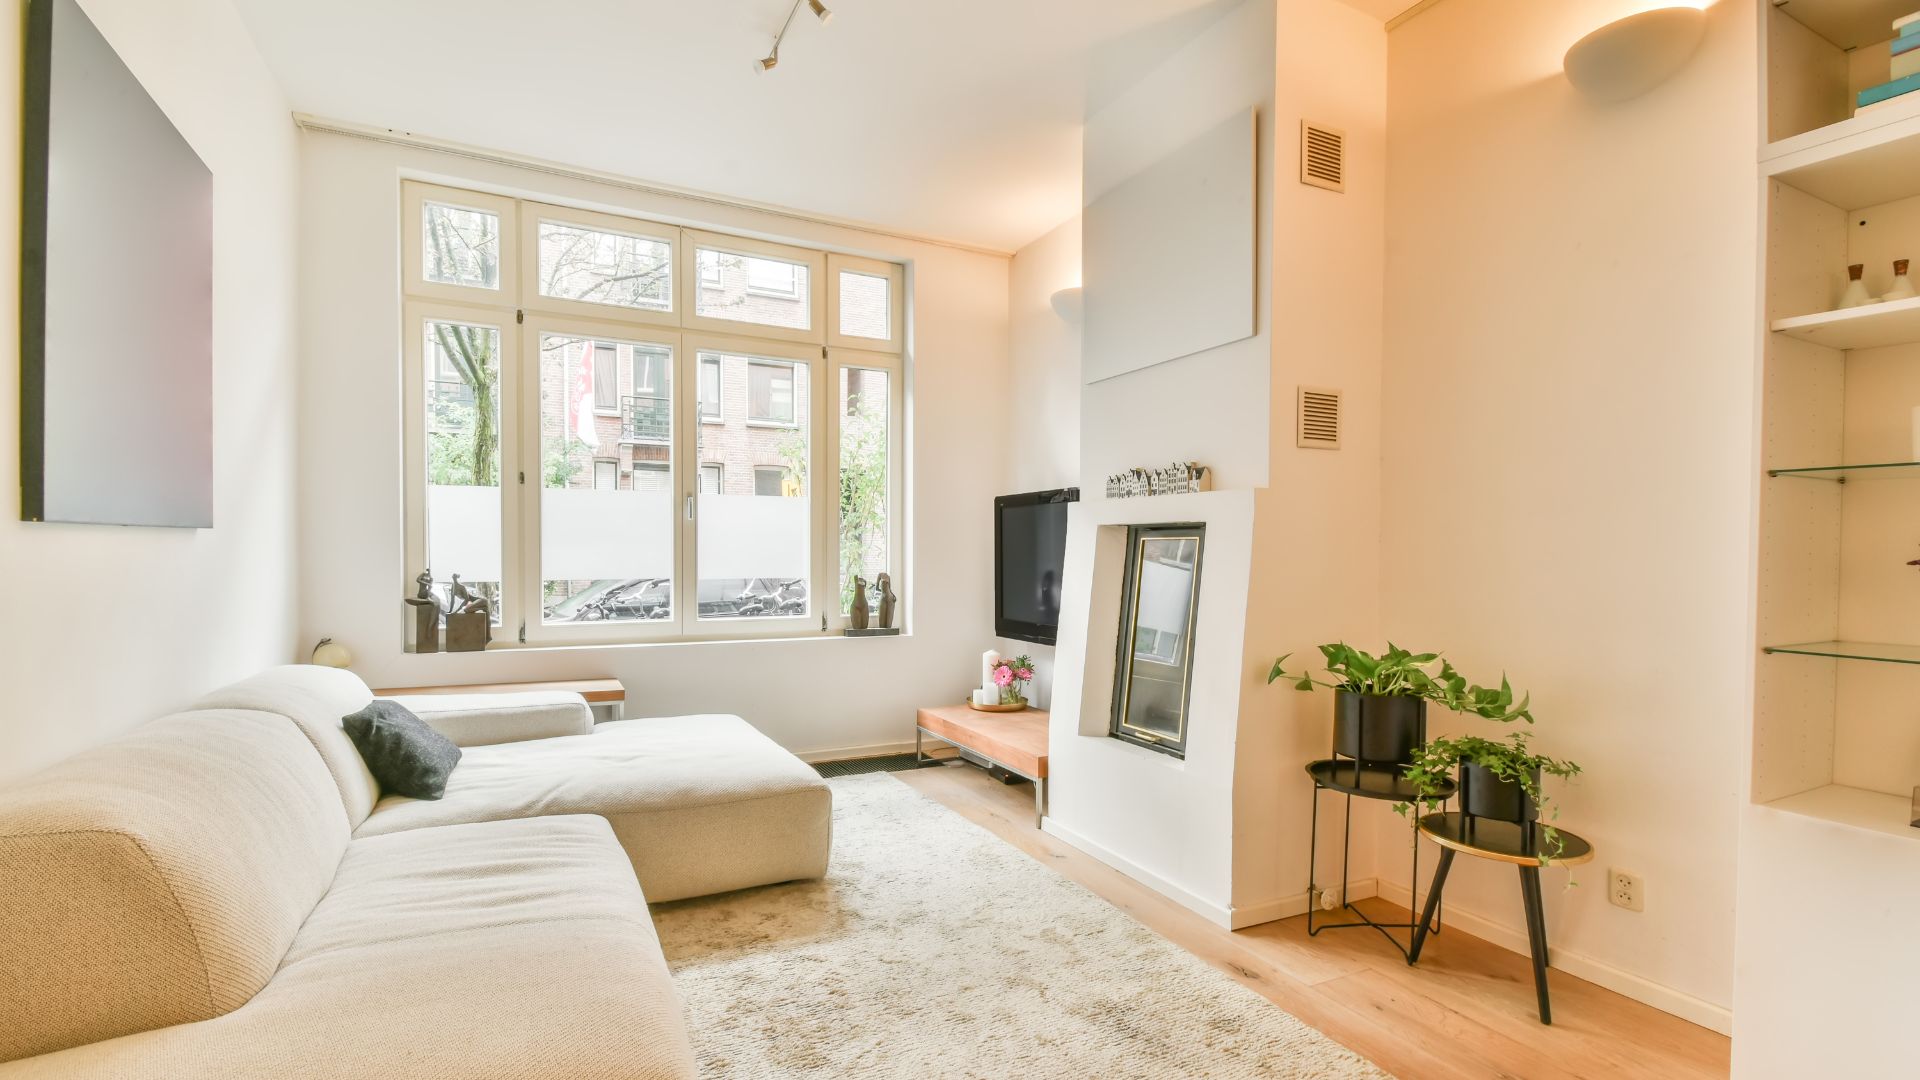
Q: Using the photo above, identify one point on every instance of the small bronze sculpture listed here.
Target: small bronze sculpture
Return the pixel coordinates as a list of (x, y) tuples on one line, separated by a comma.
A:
[(887, 601), (858, 616), (426, 615)]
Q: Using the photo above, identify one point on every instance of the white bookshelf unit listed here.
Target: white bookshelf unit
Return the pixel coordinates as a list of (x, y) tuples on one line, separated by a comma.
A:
[(1836, 726)]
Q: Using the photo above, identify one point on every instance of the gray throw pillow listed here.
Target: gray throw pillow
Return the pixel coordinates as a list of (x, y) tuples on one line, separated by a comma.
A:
[(403, 753)]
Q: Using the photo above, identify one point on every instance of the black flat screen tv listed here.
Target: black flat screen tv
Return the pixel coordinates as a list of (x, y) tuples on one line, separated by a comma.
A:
[(1029, 556)]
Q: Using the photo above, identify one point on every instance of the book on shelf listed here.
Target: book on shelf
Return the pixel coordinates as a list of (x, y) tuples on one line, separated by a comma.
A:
[(1903, 66), (1907, 24), (1874, 95), (1903, 45)]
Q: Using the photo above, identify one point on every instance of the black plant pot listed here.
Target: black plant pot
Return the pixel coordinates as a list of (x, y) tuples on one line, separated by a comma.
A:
[(1482, 794), (1378, 730)]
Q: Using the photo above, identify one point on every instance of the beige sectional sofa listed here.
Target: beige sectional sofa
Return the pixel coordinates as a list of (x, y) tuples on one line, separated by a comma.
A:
[(224, 893)]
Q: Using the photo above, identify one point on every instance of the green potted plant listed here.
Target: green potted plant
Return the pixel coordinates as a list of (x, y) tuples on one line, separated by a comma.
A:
[(1499, 780), (1380, 702)]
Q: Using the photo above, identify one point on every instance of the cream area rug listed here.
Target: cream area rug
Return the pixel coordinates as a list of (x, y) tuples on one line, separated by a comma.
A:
[(934, 949)]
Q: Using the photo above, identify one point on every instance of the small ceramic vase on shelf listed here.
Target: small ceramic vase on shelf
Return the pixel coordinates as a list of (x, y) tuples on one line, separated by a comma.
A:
[(1902, 288), (1856, 294)]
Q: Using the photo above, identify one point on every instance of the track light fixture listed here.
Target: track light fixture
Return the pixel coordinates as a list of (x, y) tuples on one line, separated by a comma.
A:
[(820, 11)]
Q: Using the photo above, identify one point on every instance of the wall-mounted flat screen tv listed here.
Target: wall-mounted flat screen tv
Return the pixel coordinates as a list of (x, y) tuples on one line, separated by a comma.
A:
[(116, 292), (1029, 556)]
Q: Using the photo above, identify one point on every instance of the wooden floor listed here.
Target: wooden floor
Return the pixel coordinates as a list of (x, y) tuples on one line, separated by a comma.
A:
[(1466, 1011)]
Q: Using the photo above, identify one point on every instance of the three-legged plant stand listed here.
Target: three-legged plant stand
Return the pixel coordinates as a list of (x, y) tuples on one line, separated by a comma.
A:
[(1365, 780)]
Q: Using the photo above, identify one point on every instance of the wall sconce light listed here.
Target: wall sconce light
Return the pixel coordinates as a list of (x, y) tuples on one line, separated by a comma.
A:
[(1625, 59), (772, 59), (1070, 304)]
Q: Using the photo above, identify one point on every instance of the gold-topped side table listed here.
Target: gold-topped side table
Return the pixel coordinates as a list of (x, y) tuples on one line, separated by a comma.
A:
[(1501, 841)]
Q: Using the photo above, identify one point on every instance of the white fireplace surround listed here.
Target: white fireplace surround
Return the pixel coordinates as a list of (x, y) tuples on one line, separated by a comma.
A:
[(1165, 821)]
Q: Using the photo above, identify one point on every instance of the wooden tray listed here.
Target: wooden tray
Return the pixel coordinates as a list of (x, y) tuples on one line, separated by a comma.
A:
[(995, 708)]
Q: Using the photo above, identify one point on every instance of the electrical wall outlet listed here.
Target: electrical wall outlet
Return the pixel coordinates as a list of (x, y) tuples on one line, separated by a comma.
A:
[(1625, 889)]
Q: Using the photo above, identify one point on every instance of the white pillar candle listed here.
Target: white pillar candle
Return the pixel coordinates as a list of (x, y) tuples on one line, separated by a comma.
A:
[(988, 661), (986, 697)]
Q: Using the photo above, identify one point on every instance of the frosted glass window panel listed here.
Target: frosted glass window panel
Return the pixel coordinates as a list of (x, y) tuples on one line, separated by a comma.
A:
[(602, 267), (865, 479), (606, 552), (461, 246), (1169, 256), (753, 289), (865, 306)]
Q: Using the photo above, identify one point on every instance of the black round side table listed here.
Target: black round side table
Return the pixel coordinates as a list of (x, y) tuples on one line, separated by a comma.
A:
[(1365, 780), (1501, 841)]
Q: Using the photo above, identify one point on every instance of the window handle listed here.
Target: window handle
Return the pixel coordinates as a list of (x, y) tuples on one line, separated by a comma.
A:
[(689, 508)]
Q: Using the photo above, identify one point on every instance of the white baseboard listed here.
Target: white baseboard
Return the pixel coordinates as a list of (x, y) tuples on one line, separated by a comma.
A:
[(1668, 1000), (1213, 913), (852, 753)]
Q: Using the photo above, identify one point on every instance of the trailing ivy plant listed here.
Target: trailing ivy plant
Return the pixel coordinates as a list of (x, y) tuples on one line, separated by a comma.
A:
[(1508, 760), (1400, 673)]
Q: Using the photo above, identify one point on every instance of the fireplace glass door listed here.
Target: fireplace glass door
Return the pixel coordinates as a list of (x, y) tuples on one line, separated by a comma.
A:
[(1154, 672)]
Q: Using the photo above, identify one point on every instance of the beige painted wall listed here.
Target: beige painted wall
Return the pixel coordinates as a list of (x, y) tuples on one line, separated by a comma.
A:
[(108, 627), (1317, 529), (828, 695), (1568, 453)]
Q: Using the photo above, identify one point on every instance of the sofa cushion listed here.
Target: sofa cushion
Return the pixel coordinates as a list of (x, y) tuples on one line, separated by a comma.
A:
[(405, 755), (513, 716), (492, 951), (315, 698), (159, 879), (702, 804)]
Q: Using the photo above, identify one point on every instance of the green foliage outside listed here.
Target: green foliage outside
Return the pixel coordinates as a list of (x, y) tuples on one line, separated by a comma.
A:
[(863, 496)]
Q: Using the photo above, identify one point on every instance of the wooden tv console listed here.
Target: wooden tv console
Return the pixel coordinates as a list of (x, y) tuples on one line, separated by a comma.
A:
[(1017, 742)]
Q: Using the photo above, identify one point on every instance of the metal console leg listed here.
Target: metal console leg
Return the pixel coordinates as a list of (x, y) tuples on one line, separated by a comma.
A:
[(1039, 801)]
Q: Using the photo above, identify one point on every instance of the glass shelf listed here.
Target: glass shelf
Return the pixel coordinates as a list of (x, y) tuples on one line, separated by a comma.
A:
[(1853, 650), (1892, 470)]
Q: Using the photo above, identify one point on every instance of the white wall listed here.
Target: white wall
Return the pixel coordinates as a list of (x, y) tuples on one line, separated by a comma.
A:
[(1210, 407), (108, 627), (1043, 433), (1569, 460), (812, 695)]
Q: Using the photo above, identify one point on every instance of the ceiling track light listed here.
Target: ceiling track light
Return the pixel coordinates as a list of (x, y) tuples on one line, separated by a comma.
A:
[(820, 11)]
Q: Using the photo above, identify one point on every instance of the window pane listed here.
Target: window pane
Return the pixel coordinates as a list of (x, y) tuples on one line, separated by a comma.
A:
[(770, 392), (460, 246), (864, 478), (754, 549), (605, 267), (606, 376), (606, 553), (710, 387), (864, 308), (463, 456), (753, 289)]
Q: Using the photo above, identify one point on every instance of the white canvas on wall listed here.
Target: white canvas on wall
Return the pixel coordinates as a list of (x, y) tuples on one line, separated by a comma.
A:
[(1169, 255)]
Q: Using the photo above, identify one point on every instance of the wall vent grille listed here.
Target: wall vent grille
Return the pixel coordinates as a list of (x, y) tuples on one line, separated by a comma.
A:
[(1319, 418), (1323, 156)]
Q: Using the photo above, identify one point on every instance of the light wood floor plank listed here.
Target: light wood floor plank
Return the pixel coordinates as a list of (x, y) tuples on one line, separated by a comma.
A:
[(1465, 1013)]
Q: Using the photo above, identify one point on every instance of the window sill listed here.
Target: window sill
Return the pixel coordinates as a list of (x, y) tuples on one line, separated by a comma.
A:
[(785, 425), (509, 646)]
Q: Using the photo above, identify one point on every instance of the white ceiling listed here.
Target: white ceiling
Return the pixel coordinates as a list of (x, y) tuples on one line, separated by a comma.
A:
[(955, 119)]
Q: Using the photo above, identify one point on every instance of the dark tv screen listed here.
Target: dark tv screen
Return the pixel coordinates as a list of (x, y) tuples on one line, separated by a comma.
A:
[(1030, 547)]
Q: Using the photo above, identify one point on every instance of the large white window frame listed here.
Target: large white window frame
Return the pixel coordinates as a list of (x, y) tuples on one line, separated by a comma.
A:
[(522, 316)]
